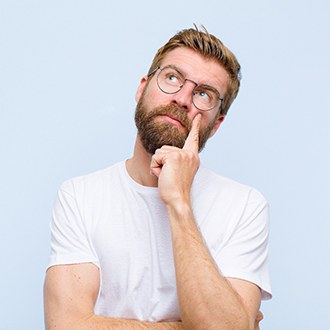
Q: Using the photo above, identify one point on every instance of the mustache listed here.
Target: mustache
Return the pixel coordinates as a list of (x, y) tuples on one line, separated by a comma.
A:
[(174, 111)]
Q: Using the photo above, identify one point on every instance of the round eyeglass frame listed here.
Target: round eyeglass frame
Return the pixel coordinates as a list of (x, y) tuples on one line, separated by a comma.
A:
[(180, 87)]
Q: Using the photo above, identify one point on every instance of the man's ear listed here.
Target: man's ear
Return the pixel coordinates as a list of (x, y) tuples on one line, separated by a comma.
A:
[(141, 88), (217, 124)]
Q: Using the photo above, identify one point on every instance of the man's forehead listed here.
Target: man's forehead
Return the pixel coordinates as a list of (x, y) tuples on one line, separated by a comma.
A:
[(198, 67)]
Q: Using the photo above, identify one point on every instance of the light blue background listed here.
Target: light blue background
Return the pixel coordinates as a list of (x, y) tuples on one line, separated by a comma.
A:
[(68, 75)]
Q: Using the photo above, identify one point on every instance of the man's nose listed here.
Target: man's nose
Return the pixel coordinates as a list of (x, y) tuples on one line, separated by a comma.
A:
[(184, 97)]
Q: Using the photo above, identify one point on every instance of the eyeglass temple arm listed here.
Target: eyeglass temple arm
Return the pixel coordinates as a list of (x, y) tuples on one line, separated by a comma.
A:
[(153, 71)]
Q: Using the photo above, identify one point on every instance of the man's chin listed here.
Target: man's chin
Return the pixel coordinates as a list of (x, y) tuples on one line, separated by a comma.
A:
[(152, 142)]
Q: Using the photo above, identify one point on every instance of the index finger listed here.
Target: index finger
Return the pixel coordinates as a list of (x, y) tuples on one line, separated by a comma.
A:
[(192, 140)]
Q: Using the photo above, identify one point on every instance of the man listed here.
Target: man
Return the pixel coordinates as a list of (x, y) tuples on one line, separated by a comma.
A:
[(158, 241)]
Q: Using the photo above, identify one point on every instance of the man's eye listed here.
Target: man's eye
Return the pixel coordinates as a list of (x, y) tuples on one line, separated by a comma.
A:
[(172, 78), (204, 95)]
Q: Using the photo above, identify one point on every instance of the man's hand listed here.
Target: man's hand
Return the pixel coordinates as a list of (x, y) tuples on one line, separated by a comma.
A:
[(176, 168)]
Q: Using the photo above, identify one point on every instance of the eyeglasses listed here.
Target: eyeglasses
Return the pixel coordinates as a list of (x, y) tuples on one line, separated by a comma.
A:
[(171, 81)]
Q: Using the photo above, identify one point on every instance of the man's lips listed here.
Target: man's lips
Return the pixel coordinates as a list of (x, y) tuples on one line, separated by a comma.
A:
[(172, 119)]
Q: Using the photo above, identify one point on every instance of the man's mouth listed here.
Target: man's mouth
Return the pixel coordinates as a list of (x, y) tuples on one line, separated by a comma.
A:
[(172, 119)]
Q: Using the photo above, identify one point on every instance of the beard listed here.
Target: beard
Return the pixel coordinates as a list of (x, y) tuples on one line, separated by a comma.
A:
[(155, 133)]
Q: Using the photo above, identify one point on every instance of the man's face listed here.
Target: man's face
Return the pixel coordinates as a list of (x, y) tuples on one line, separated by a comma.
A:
[(165, 119), (155, 132)]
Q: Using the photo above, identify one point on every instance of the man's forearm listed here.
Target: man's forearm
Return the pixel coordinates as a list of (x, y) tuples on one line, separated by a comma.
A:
[(96, 322), (207, 301), (70, 294), (100, 322)]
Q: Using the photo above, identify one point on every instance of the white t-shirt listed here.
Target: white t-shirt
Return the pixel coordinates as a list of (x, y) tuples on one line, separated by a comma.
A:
[(122, 227)]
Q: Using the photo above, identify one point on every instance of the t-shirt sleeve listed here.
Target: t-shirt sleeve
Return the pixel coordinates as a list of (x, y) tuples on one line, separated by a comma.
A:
[(245, 254), (70, 238)]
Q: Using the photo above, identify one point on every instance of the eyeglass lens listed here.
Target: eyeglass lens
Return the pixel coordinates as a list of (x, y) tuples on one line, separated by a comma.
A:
[(171, 81)]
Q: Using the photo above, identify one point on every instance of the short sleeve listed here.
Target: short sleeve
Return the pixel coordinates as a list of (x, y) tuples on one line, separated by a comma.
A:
[(245, 255), (70, 240)]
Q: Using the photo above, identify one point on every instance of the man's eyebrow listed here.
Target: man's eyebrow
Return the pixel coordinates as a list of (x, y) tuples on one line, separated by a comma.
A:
[(173, 66)]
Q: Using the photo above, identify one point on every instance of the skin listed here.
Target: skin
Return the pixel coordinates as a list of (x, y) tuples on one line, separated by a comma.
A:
[(207, 300)]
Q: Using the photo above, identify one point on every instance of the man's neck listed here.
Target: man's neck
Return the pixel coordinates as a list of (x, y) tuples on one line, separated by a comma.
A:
[(138, 167)]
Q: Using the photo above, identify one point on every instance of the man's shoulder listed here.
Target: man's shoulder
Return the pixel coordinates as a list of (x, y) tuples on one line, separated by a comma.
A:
[(210, 181), (95, 178), (209, 177)]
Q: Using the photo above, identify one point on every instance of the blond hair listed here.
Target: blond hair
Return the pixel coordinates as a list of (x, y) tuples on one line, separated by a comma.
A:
[(211, 47)]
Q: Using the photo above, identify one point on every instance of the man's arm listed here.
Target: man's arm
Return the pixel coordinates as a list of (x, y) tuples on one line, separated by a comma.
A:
[(207, 300), (70, 293), (205, 296)]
